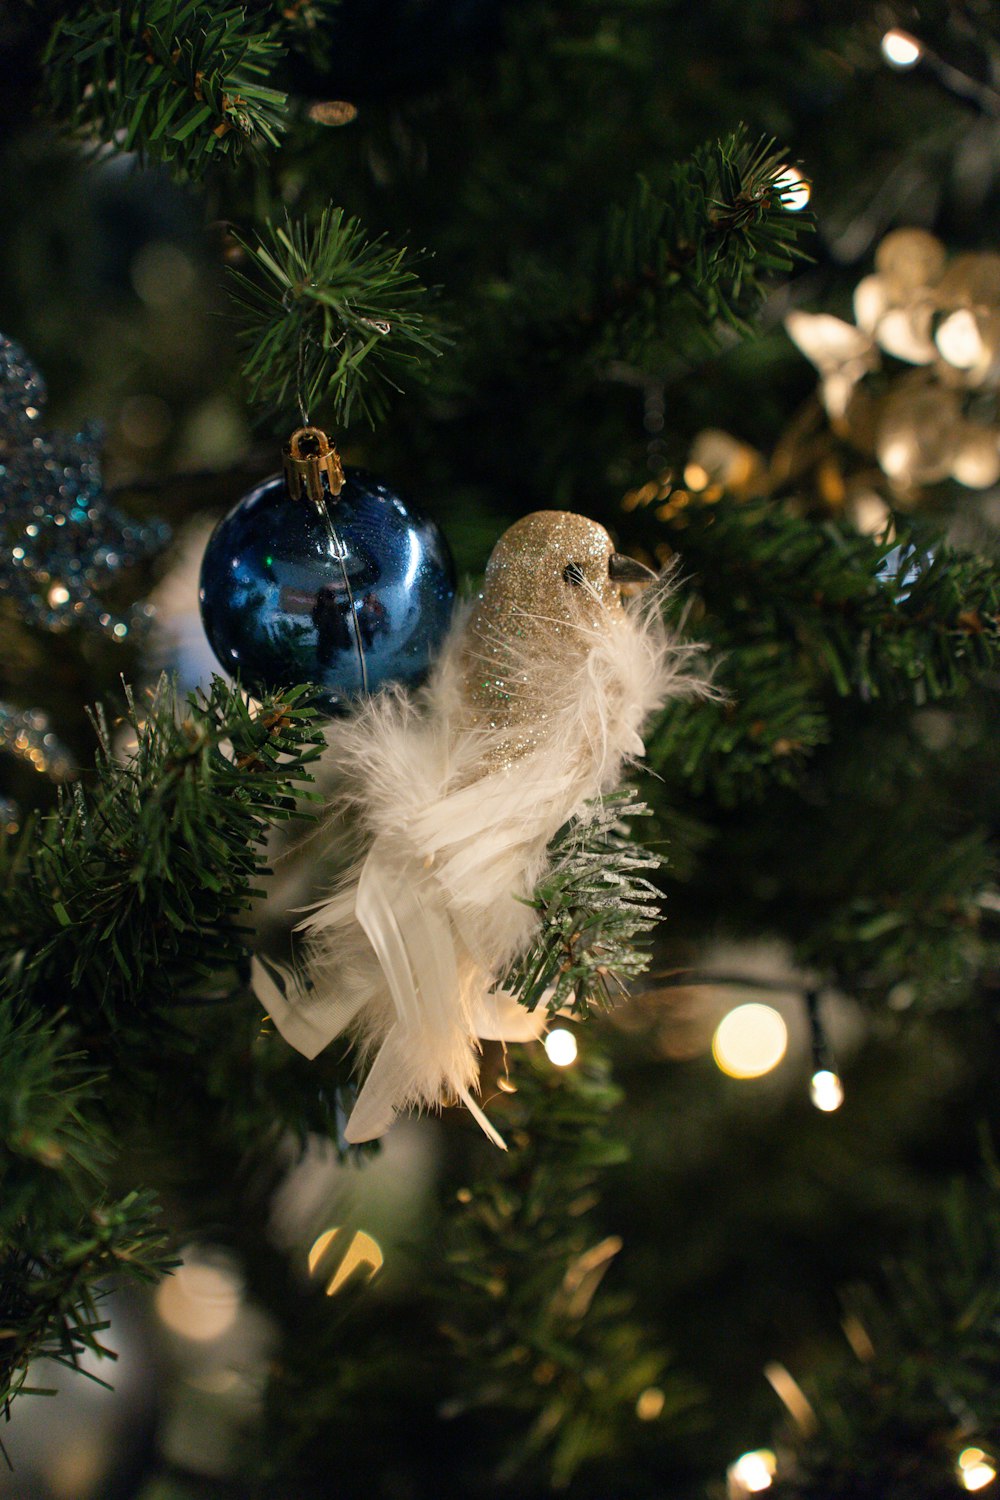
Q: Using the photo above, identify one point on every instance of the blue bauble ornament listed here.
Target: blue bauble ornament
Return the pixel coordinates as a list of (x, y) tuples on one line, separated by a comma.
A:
[(328, 577), (901, 568)]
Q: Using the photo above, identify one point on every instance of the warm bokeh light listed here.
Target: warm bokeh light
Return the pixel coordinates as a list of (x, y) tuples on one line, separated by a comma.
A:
[(560, 1047), (363, 1250), (752, 1472), (977, 462), (901, 49), (871, 515), (959, 340), (723, 460), (975, 1469), (750, 1041), (319, 1248), (795, 190), (163, 275), (650, 1404), (871, 300), (332, 112), (788, 1390), (978, 1476), (58, 594), (905, 332), (201, 1299), (696, 477), (826, 1090)]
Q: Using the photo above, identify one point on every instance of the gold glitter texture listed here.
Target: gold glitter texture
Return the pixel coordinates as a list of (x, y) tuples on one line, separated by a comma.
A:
[(547, 587)]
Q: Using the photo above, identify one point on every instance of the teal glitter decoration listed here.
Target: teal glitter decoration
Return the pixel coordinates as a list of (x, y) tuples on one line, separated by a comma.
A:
[(61, 538)]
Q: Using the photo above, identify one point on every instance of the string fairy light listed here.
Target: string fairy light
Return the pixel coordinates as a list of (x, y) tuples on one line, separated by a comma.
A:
[(751, 1473), (795, 190), (975, 1469), (903, 51), (750, 1041), (825, 1089), (900, 49), (560, 1047)]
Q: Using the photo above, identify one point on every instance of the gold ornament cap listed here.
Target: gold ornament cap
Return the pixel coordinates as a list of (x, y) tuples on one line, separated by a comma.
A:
[(309, 457)]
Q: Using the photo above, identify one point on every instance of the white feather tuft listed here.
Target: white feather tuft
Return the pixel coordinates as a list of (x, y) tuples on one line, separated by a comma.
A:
[(456, 824)]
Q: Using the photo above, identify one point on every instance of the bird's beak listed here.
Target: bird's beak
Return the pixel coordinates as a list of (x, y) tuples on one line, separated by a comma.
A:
[(622, 569)]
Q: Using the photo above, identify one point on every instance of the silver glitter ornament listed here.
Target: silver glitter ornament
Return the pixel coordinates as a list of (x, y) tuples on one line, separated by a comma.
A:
[(22, 391), (61, 540)]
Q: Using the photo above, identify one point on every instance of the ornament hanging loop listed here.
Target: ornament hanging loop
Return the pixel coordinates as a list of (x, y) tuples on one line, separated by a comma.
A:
[(309, 456)]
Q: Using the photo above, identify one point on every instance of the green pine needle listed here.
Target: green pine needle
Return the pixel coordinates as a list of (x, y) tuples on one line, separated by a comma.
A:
[(808, 623), (131, 898), (182, 82), (134, 894), (331, 318), (51, 1287), (921, 1383), (535, 1330), (675, 267), (596, 905), (60, 1236)]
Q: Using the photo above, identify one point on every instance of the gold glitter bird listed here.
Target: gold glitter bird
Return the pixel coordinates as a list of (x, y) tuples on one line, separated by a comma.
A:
[(552, 579), (454, 793)]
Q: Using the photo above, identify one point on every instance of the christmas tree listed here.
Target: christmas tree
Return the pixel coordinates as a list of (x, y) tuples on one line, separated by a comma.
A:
[(725, 281)]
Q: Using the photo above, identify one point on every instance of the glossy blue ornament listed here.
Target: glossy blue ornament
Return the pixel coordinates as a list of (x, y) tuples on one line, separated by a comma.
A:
[(901, 568), (325, 577)]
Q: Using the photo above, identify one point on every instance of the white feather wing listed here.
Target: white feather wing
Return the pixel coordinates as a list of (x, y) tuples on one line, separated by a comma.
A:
[(406, 953)]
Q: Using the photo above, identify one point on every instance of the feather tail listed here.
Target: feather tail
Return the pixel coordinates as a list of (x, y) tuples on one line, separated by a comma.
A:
[(375, 1107), (480, 1119), (379, 915), (307, 1020)]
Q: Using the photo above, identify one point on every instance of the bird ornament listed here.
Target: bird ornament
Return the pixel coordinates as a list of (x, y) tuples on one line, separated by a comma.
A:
[(447, 799)]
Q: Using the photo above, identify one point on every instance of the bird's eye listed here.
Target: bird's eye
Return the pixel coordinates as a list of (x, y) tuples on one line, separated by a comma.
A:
[(573, 573)]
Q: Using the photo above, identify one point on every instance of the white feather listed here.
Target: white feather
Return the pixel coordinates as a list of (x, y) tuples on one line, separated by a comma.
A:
[(405, 953)]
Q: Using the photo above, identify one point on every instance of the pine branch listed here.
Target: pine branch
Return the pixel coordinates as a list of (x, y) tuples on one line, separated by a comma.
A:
[(50, 1291), (60, 1236), (924, 1382), (799, 617), (44, 1088), (508, 1331), (132, 898), (683, 262), (181, 82), (659, 282), (331, 318), (534, 1333), (760, 734), (894, 901), (596, 904), (133, 895)]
